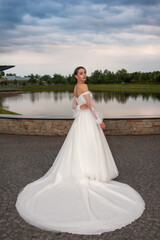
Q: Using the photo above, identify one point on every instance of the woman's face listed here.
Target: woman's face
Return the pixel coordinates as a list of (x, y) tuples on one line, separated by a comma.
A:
[(81, 75)]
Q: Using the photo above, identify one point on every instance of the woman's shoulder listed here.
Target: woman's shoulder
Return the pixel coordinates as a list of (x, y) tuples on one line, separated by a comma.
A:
[(84, 87), (81, 87)]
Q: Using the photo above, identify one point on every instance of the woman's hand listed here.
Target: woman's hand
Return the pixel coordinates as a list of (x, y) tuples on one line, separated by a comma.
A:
[(84, 106), (102, 125)]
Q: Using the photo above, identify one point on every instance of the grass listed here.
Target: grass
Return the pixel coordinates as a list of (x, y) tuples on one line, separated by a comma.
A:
[(5, 87), (125, 86), (97, 87), (93, 87), (42, 88), (4, 111), (130, 88)]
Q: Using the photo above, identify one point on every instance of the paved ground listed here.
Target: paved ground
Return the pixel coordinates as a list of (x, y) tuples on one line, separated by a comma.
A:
[(24, 159)]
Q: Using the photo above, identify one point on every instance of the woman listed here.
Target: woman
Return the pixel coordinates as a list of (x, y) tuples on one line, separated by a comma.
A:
[(80, 88), (77, 194)]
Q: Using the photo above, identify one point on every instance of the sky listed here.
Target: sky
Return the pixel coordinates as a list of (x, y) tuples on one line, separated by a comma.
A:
[(56, 36)]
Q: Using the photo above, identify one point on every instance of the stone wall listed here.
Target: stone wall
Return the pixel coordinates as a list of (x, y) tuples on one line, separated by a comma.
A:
[(10, 92), (60, 127)]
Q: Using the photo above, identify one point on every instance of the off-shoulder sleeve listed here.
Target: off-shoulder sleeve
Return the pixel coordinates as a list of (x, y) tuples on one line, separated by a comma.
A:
[(98, 116), (75, 107)]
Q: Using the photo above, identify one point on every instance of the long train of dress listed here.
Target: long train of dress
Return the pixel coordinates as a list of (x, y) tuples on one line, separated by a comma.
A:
[(77, 194)]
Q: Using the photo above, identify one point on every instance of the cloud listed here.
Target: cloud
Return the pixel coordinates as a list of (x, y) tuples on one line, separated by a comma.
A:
[(55, 26)]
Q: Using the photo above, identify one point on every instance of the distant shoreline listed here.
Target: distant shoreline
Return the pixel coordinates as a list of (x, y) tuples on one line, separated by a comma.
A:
[(10, 92), (92, 87), (97, 87)]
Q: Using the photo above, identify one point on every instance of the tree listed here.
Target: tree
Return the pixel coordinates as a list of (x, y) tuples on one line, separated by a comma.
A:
[(23, 83), (143, 77), (135, 77), (41, 82), (122, 76), (11, 74), (59, 79), (46, 78), (109, 77), (157, 78), (15, 82), (97, 77), (2, 74), (72, 79), (32, 79)]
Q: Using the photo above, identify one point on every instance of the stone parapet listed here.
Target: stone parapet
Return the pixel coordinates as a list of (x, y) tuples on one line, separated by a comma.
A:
[(60, 127), (9, 92)]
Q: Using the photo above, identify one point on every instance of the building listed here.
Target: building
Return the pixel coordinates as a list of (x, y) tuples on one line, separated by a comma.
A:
[(12, 79), (19, 80), (2, 68), (5, 67)]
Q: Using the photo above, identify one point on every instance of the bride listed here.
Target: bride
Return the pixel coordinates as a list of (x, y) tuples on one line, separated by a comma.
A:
[(78, 194)]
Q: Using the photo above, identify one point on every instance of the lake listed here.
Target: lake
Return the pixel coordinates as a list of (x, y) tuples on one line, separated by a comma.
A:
[(58, 104)]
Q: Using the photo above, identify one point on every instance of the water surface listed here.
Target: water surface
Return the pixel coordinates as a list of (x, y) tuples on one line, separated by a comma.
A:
[(58, 104)]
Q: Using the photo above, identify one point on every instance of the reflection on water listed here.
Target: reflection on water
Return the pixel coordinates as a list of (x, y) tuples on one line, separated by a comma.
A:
[(111, 104)]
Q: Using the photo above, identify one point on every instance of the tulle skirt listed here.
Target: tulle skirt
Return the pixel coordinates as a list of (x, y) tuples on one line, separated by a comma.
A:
[(77, 194)]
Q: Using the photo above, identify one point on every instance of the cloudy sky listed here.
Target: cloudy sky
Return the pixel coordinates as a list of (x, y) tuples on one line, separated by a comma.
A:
[(55, 36)]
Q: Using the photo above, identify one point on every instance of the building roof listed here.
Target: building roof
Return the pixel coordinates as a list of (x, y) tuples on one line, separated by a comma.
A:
[(5, 67), (12, 78)]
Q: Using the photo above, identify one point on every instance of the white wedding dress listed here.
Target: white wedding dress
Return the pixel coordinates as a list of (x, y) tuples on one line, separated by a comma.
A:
[(77, 194)]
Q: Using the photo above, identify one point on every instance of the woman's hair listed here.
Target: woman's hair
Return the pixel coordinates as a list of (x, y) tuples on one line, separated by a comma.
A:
[(77, 69)]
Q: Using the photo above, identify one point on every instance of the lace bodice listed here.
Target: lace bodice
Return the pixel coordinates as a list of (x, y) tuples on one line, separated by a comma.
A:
[(86, 98)]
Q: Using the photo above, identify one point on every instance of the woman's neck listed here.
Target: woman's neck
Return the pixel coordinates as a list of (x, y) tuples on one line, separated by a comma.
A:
[(80, 82)]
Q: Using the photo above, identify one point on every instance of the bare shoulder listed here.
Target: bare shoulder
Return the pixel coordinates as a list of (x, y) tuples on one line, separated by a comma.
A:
[(84, 87), (79, 89)]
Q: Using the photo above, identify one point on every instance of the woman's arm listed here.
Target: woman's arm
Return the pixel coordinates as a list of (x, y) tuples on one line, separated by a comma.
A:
[(87, 96), (92, 108)]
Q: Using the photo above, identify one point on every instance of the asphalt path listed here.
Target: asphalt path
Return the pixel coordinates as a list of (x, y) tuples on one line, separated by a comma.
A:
[(24, 159)]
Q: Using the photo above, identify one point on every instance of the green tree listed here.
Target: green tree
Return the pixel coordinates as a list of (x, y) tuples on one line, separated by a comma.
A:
[(97, 77), (5, 83), (15, 82), (32, 79), (72, 79), (11, 74), (157, 77), (122, 76), (108, 76), (143, 78), (23, 83), (2, 74), (46, 78), (41, 82), (135, 77), (59, 79)]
